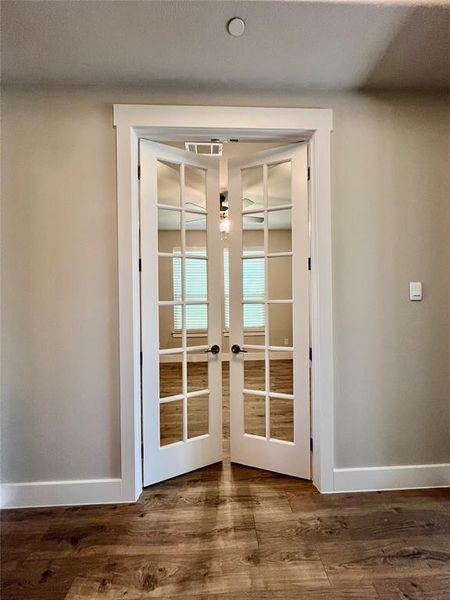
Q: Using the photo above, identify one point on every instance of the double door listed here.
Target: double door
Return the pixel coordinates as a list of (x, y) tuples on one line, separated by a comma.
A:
[(205, 299)]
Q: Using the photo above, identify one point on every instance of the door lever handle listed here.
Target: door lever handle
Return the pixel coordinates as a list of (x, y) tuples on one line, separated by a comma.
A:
[(236, 349), (214, 349)]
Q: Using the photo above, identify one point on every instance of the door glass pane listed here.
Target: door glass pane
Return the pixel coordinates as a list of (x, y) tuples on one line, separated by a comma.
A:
[(169, 191), (197, 371), (252, 188), (195, 225), (254, 370), (169, 230), (170, 324), (196, 324), (255, 414), (280, 324), (253, 279), (254, 322), (280, 234), (170, 375), (169, 278), (171, 422), (253, 234), (280, 278), (197, 339), (194, 187), (281, 372), (196, 280), (198, 416), (282, 419), (279, 184), (226, 288)]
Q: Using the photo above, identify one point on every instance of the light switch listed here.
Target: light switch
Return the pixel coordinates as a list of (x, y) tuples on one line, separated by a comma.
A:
[(415, 290)]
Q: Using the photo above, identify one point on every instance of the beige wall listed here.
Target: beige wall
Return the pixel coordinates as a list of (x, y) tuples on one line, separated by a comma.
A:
[(60, 409)]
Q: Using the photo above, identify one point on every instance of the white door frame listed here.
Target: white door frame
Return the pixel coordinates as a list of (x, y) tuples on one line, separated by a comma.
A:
[(159, 123)]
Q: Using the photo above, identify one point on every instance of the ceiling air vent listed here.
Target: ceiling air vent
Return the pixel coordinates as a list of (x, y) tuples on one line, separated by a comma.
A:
[(206, 148)]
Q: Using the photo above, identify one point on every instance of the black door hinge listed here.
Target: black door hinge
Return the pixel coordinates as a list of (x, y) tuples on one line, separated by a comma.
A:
[(139, 171), (310, 354), (140, 265), (311, 444), (140, 358), (309, 173), (309, 263), (142, 449)]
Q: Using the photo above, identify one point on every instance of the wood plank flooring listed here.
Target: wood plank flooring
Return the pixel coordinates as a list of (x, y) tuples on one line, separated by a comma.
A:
[(233, 533)]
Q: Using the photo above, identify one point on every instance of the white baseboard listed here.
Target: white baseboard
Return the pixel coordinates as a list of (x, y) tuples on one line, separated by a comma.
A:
[(400, 477), (109, 491), (61, 493)]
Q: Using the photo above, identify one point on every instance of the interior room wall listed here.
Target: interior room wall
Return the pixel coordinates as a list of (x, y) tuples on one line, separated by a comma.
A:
[(390, 187)]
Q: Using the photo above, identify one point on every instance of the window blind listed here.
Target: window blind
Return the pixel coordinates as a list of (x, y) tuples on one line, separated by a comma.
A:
[(253, 289), (197, 288)]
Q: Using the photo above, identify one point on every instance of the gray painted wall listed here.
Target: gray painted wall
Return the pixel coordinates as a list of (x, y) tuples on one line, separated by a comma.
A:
[(391, 224)]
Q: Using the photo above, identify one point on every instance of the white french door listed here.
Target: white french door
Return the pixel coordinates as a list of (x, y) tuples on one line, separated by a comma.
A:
[(181, 311), (269, 324)]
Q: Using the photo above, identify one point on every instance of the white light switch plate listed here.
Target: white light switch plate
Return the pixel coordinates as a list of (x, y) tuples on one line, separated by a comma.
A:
[(415, 290)]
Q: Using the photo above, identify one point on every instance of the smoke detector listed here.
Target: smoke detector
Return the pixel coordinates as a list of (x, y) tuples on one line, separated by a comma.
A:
[(205, 148), (236, 27)]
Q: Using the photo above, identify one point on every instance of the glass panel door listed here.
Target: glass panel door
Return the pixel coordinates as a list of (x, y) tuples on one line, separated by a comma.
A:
[(269, 372), (181, 311)]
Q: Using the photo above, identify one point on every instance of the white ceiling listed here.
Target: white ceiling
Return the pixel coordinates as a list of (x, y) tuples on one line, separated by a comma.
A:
[(290, 45)]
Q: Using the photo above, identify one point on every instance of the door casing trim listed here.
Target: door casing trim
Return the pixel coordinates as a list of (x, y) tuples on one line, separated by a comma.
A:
[(163, 123)]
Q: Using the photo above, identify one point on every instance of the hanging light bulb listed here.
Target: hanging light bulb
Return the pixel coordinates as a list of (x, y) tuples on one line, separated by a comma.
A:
[(224, 225)]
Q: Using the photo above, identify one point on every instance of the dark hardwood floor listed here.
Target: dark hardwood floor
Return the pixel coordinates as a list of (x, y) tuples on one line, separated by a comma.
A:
[(228, 532)]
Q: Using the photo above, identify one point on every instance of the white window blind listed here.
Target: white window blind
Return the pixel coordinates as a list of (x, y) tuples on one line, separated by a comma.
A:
[(196, 289), (253, 289)]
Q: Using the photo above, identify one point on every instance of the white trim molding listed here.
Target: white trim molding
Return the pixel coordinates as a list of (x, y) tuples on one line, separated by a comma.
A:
[(169, 123), (401, 477), (61, 493)]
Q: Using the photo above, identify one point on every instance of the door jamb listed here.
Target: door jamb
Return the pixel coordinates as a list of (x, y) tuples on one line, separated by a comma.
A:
[(159, 123)]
